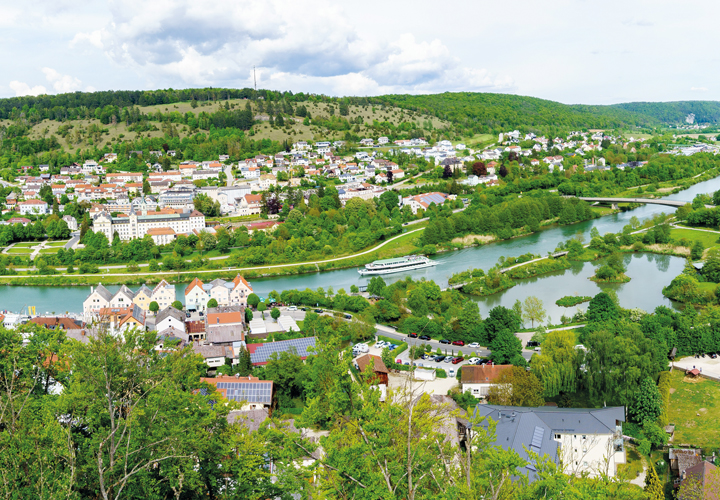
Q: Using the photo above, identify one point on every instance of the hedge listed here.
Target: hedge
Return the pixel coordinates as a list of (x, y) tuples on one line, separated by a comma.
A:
[(664, 387), (440, 373), (401, 347)]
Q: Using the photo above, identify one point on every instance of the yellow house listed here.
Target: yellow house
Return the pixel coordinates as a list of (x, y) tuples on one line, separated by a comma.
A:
[(143, 297)]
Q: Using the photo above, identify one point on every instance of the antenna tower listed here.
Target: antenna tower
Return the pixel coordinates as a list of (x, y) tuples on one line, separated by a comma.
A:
[(254, 79)]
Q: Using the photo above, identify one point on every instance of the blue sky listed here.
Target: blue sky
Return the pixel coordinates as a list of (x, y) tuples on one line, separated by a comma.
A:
[(569, 51)]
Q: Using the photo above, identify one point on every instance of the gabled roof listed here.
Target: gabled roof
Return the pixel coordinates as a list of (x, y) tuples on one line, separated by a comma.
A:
[(249, 389), (126, 291), (163, 284), (194, 283), (104, 292), (170, 311), (144, 290), (483, 374), (377, 362), (239, 279), (708, 478), (55, 323)]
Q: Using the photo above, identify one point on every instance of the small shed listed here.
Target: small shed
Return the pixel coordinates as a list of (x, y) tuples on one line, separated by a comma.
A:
[(379, 369), (682, 459), (692, 373)]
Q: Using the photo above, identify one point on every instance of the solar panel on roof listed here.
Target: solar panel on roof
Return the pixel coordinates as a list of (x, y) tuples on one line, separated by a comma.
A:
[(263, 352), (537, 437)]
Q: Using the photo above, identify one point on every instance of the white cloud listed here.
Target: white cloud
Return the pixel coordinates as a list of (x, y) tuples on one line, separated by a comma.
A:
[(21, 89), (698, 89), (61, 83), (202, 42)]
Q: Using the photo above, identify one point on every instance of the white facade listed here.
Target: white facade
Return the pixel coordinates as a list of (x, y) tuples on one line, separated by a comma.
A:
[(137, 226), (35, 207)]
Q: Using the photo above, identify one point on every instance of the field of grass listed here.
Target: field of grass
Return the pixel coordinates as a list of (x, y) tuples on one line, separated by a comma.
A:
[(49, 250), (707, 239), (57, 243), (694, 404), (403, 245), (20, 250), (26, 244)]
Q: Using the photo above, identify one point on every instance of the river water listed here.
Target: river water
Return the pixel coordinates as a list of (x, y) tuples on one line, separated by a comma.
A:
[(649, 273)]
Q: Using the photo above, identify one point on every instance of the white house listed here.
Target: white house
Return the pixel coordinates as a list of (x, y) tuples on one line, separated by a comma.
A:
[(170, 318), (583, 441), (478, 378), (226, 293), (35, 207)]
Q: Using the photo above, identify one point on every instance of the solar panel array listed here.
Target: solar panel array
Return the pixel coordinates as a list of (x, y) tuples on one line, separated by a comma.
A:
[(255, 392), (262, 353), (433, 198)]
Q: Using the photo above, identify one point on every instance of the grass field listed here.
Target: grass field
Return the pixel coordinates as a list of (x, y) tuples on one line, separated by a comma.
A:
[(707, 239), (694, 406), (26, 244), (57, 243), (21, 250)]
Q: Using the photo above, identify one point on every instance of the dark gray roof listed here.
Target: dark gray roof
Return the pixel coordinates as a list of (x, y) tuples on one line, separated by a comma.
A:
[(252, 419), (534, 428), (217, 334), (170, 311), (104, 292)]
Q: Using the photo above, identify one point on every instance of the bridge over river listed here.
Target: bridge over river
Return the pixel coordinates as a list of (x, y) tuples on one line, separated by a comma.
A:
[(649, 201)]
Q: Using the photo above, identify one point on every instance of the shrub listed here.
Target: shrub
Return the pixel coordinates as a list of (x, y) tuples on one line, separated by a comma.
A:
[(570, 300)]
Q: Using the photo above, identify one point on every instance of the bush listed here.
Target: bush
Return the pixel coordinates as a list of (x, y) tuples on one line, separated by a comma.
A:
[(569, 300), (440, 373)]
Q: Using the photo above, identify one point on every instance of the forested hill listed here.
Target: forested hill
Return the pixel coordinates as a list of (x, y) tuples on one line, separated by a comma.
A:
[(490, 113), (674, 112)]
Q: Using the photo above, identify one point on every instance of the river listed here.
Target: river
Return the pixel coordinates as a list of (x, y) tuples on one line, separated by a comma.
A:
[(649, 272)]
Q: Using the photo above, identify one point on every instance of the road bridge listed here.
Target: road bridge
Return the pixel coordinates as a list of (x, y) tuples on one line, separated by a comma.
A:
[(649, 201)]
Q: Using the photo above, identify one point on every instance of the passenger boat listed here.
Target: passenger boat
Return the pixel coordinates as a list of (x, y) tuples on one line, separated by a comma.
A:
[(400, 264)]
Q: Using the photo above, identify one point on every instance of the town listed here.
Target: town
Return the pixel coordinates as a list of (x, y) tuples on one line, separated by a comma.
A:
[(275, 315)]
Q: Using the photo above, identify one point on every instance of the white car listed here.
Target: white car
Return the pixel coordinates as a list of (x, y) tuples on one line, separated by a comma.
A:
[(474, 344), (472, 361), (292, 308)]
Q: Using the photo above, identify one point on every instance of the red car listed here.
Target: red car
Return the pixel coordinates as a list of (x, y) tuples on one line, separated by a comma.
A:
[(458, 360), (412, 335), (458, 342)]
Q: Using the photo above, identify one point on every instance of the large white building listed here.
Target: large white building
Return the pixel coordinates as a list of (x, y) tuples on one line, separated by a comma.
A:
[(583, 441), (101, 298), (35, 207), (226, 293), (137, 225)]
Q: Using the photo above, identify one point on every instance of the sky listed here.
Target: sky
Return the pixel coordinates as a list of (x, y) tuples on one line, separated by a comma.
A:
[(571, 51)]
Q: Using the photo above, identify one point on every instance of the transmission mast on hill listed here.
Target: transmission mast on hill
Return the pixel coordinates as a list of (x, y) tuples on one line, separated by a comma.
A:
[(254, 79)]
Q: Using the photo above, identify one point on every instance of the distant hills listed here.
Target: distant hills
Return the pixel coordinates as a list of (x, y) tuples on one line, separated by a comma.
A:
[(468, 112), (487, 112)]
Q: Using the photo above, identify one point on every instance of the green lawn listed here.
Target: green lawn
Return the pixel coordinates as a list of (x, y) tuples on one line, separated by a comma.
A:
[(27, 244), (57, 243), (694, 406), (49, 250), (21, 250), (707, 239)]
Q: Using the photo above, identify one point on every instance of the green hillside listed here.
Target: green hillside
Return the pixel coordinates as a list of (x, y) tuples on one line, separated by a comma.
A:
[(674, 112)]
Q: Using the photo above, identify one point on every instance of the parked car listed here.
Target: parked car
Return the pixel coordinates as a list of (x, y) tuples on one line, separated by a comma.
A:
[(449, 359), (292, 308), (532, 343), (458, 360), (412, 335), (473, 344), (451, 372), (444, 341), (458, 342), (201, 314), (347, 316), (439, 359), (472, 361), (380, 344), (424, 337), (319, 311), (303, 308), (392, 347)]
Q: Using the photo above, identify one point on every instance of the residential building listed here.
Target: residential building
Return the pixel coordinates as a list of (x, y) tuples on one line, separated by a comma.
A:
[(34, 207), (163, 294), (71, 222), (143, 297), (260, 353), (123, 298), (226, 293), (169, 317), (423, 201), (583, 441), (706, 482), (98, 299), (214, 355), (120, 319), (377, 367), (251, 391), (478, 378), (57, 323), (162, 235)]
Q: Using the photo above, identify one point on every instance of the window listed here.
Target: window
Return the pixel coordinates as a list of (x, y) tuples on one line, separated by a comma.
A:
[(557, 436)]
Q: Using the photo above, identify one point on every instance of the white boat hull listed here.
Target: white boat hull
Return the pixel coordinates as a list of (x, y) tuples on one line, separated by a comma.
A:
[(364, 272)]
